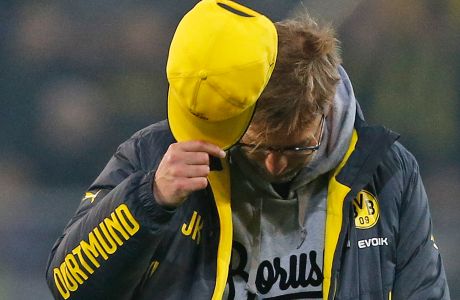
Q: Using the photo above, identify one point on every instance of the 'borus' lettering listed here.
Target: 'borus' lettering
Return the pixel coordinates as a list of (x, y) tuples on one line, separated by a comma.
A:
[(302, 271), (270, 273)]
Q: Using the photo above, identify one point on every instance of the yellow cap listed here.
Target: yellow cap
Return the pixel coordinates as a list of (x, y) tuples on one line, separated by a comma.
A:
[(220, 60)]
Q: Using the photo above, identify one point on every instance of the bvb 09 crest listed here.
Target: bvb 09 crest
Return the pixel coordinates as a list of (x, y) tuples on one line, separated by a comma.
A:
[(366, 210)]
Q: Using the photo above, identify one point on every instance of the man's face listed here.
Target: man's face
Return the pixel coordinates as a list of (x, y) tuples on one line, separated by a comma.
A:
[(278, 157)]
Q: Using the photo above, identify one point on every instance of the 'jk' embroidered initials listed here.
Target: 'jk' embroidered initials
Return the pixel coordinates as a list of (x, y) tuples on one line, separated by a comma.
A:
[(194, 227)]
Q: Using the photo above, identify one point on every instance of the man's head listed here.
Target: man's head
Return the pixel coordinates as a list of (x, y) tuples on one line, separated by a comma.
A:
[(289, 118)]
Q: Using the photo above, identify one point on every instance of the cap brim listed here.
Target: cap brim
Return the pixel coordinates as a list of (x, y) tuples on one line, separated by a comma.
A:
[(187, 127)]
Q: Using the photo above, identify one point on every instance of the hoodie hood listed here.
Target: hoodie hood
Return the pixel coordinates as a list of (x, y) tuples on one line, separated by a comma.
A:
[(336, 136)]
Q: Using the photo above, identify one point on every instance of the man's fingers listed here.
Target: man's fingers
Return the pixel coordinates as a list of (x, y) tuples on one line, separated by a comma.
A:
[(191, 171), (200, 146), (187, 185), (196, 158), (186, 158), (183, 170)]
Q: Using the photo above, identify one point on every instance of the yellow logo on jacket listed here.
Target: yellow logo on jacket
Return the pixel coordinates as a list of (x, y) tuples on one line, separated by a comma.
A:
[(90, 196), (88, 255), (366, 210), (193, 228)]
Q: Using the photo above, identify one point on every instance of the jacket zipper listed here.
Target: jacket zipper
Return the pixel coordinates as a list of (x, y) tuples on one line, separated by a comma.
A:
[(347, 243), (335, 284)]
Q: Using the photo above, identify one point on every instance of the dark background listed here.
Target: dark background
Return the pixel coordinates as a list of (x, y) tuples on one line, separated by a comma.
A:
[(79, 77)]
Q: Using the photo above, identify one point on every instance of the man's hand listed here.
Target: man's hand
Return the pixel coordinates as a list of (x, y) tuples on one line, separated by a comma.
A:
[(183, 170)]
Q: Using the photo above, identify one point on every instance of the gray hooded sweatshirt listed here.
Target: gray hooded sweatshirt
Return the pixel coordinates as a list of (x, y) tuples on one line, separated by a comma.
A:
[(278, 242)]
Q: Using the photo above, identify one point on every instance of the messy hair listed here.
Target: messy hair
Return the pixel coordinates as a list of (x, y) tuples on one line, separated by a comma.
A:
[(303, 82)]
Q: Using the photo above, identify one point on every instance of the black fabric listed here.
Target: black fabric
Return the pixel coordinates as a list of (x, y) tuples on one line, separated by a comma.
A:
[(234, 10)]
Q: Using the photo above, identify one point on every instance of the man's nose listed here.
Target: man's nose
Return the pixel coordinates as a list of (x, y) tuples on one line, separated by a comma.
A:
[(275, 163)]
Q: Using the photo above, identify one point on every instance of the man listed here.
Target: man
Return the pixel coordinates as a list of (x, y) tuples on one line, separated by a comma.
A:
[(323, 206)]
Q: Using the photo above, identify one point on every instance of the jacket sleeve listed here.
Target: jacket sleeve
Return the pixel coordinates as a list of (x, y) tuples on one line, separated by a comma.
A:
[(107, 246), (419, 269)]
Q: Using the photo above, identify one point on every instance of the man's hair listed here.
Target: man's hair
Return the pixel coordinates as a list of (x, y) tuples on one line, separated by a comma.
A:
[(305, 77)]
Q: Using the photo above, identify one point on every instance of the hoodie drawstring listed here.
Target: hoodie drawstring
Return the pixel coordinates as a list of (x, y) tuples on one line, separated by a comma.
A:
[(255, 256), (303, 195)]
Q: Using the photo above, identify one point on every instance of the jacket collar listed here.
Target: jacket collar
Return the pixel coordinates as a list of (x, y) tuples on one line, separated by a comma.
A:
[(372, 146)]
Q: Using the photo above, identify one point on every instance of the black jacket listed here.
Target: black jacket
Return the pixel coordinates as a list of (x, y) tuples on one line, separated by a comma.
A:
[(122, 245)]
